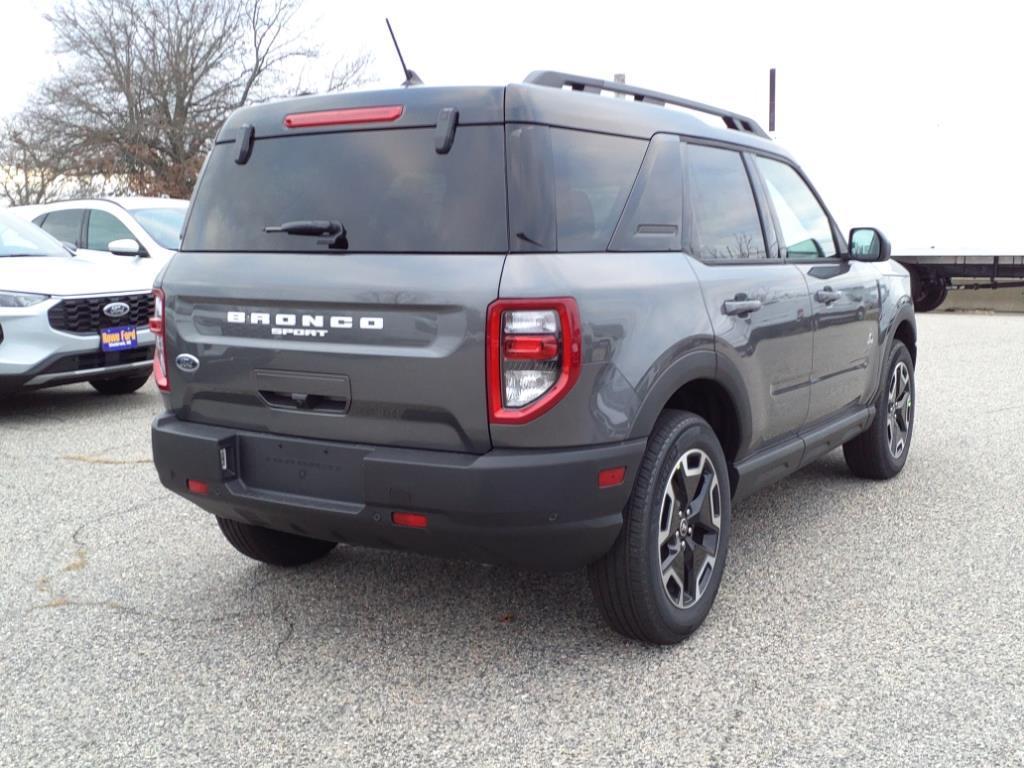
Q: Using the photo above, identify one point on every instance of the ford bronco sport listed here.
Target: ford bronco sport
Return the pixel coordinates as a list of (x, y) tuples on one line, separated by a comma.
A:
[(530, 324)]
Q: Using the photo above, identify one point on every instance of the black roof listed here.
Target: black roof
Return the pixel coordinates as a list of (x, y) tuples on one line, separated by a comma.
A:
[(537, 102)]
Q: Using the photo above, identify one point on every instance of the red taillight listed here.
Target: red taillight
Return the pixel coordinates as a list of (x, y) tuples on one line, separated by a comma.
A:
[(198, 486), (534, 353), (344, 116), (526, 347), (156, 325), (608, 478), (409, 519)]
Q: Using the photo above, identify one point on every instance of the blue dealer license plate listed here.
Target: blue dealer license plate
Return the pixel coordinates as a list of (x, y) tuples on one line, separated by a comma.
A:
[(116, 339)]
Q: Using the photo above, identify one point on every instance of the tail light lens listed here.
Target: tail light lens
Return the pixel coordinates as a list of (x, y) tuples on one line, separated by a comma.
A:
[(533, 356), (156, 325)]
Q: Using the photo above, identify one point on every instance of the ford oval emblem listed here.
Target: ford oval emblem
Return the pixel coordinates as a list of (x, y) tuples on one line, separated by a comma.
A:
[(187, 363), (116, 309)]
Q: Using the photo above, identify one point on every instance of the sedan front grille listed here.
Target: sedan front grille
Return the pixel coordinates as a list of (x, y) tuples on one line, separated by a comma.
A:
[(86, 315)]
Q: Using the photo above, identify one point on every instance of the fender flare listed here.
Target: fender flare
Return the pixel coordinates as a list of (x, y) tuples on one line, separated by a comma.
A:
[(904, 313), (698, 364)]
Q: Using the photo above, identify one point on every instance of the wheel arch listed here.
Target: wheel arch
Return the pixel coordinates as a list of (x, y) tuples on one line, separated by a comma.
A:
[(710, 387), (906, 331)]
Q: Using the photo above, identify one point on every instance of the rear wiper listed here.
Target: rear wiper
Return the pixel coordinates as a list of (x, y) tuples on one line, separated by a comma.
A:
[(307, 228), (333, 232)]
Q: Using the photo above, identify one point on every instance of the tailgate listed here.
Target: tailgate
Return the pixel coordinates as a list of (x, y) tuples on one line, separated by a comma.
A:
[(368, 348)]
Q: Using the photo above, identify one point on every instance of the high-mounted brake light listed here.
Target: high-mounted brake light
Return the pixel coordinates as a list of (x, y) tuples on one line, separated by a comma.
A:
[(156, 325), (344, 116), (534, 353)]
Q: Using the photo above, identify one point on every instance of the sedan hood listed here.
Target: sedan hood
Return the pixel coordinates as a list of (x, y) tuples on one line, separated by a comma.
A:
[(68, 276)]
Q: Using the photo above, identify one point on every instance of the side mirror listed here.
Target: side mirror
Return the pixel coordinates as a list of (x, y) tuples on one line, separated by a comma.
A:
[(126, 247), (868, 244), (69, 247)]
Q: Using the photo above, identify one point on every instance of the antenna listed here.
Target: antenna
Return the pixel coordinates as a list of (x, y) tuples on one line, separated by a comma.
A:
[(411, 78)]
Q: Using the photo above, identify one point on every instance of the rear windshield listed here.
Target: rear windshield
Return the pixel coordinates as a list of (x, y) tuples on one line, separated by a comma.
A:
[(162, 224), (389, 189)]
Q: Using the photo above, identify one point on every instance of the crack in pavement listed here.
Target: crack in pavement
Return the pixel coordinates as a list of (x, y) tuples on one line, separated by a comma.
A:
[(55, 599), (95, 459)]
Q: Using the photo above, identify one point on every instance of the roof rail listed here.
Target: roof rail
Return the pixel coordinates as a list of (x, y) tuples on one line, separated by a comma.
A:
[(732, 120)]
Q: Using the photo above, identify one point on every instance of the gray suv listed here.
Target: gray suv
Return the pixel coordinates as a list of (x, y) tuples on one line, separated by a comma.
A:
[(532, 324)]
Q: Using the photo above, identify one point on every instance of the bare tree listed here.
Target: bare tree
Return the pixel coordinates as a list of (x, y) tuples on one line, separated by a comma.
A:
[(146, 84), (34, 166)]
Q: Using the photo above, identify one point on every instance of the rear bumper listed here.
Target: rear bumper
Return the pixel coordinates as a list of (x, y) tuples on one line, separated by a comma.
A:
[(539, 508)]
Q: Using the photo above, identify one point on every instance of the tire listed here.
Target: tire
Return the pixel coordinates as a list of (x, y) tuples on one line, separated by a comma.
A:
[(881, 451), (628, 583), (273, 547), (122, 385), (928, 291)]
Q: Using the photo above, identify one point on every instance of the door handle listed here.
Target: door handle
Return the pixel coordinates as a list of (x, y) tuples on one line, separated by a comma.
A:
[(826, 296), (741, 306)]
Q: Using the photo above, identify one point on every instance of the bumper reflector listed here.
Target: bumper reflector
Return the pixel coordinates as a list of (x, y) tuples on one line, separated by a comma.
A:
[(198, 486), (608, 478), (409, 519)]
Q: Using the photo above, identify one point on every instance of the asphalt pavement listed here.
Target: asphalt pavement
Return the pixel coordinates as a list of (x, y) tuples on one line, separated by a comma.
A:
[(858, 623)]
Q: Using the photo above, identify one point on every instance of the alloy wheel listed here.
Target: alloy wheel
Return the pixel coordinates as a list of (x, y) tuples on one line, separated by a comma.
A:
[(899, 417), (690, 528)]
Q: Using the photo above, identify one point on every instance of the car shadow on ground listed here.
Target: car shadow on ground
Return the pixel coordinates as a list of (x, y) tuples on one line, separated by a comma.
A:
[(64, 403), (373, 598)]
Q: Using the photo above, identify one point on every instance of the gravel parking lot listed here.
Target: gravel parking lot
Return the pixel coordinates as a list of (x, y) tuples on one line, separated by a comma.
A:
[(858, 623)]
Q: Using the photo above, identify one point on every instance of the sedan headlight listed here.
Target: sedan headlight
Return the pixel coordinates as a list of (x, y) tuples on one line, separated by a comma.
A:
[(9, 299)]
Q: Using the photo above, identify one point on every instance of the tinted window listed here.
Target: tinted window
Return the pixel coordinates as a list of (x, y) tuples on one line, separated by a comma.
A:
[(806, 231), (390, 189), (19, 238), (103, 228), (64, 225), (593, 176), (162, 224), (722, 216)]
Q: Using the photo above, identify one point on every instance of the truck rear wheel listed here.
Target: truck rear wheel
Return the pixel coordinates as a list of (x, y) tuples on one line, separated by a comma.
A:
[(661, 576), (270, 546), (927, 290)]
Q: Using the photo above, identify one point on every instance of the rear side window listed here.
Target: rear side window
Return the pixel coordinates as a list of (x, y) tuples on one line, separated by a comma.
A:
[(806, 230), (593, 176), (66, 226), (721, 215), (103, 228), (389, 189)]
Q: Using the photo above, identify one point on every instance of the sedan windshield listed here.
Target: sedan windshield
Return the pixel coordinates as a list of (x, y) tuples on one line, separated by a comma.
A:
[(22, 238), (162, 224)]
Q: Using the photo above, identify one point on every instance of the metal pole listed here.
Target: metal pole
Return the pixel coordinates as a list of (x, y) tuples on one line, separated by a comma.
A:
[(771, 100)]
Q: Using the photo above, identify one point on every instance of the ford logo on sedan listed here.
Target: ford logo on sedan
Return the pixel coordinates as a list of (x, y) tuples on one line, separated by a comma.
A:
[(116, 309), (187, 363)]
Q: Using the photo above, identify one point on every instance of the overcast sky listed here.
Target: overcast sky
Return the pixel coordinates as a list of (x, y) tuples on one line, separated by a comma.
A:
[(896, 110)]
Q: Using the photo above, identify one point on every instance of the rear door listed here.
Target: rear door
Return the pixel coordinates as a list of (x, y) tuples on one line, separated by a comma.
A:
[(844, 293), (372, 332), (757, 302), (65, 225)]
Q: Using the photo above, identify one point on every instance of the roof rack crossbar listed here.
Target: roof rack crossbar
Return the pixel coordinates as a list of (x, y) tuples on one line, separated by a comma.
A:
[(560, 80)]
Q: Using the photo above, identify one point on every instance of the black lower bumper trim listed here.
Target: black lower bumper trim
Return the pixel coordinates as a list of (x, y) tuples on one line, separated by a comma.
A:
[(539, 508)]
